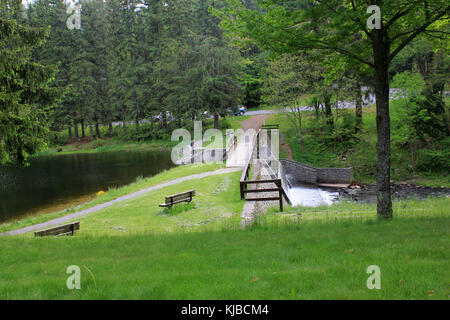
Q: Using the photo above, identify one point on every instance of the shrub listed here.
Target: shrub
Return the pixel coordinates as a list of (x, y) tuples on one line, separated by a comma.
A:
[(435, 159), (98, 143), (57, 138)]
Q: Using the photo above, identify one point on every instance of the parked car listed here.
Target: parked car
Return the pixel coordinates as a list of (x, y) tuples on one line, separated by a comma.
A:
[(236, 111), (169, 116), (240, 111)]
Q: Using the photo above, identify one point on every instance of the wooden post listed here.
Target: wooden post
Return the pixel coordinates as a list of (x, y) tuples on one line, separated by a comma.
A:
[(280, 192), (257, 146)]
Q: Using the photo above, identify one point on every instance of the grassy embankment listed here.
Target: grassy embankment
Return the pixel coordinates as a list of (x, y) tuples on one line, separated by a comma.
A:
[(116, 144), (114, 193), (315, 256), (320, 150), (137, 250)]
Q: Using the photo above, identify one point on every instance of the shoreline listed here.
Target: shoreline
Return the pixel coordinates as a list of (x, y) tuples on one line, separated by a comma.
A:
[(109, 146), (109, 195)]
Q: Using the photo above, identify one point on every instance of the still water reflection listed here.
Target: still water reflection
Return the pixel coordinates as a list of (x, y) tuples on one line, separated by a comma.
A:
[(54, 180)]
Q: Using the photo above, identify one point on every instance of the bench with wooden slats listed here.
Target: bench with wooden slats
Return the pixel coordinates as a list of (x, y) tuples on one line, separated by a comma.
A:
[(177, 198), (64, 230)]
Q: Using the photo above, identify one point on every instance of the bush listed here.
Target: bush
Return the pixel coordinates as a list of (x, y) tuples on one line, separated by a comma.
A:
[(98, 143), (57, 138), (224, 124), (435, 159)]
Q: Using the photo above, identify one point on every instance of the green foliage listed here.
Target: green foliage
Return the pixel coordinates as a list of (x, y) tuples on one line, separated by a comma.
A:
[(97, 143), (57, 138), (25, 93), (435, 160), (411, 83), (178, 208)]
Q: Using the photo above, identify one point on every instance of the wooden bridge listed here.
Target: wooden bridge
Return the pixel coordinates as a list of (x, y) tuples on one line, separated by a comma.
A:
[(261, 174)]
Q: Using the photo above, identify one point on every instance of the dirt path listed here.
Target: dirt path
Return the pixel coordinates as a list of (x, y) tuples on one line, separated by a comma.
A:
[(254, 122), (120, 199), (285, 146)]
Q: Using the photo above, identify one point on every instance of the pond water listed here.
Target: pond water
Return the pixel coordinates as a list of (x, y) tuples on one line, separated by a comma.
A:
[(55, 182)]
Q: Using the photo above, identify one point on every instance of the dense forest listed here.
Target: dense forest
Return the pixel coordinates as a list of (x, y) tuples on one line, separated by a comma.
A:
[(149, 66)]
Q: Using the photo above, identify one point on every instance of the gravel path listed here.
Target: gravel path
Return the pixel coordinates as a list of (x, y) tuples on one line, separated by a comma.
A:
[(120, 199)]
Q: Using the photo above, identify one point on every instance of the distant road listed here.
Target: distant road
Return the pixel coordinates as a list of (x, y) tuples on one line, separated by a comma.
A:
[(394, 95)]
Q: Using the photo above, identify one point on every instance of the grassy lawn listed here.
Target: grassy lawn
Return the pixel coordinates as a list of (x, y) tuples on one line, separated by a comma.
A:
[(105, 145), (217, 198), (304, 259), (114, 193), (136, 250)]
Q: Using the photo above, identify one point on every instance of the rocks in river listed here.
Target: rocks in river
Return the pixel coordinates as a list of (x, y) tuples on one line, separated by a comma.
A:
[(399, 191)]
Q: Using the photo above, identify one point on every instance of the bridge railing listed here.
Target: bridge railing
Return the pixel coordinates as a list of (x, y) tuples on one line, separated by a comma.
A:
[(266, 185)]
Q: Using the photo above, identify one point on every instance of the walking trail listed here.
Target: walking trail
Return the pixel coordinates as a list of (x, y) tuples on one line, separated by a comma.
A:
[(239, 156), (120, 199)]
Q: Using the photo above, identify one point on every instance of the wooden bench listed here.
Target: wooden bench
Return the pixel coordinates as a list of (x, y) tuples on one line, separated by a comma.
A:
[(177, 198), (64, 230)]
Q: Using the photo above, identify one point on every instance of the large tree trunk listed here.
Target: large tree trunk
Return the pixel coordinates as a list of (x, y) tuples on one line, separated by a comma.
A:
[(381, 55), (97, 129), (91, 131), (83, 134), (216, 121), (358, 109), (75, 126), (70, 131), (328, 112)]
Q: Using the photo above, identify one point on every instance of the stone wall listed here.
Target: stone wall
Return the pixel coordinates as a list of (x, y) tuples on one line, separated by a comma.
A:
[(300, 173), (335, 175)]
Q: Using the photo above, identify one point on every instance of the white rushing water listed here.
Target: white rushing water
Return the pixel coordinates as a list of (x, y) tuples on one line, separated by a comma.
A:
[(311, 196)]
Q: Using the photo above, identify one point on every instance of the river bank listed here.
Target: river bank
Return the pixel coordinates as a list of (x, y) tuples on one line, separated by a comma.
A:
[(109, 195), (105, 145)]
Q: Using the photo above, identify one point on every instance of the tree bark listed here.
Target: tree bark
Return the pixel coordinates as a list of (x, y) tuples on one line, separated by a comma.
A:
[(124, 124), (75, 127), (97, 129), (381, 56), (328, 112), (70, 131), (83, 134), (358, 109), (91, 131), (216, 121)]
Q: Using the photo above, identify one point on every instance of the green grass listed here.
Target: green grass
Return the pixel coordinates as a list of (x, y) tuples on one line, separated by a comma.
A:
[(114, 193), (307, 259), (217, 198), (106, 145)]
